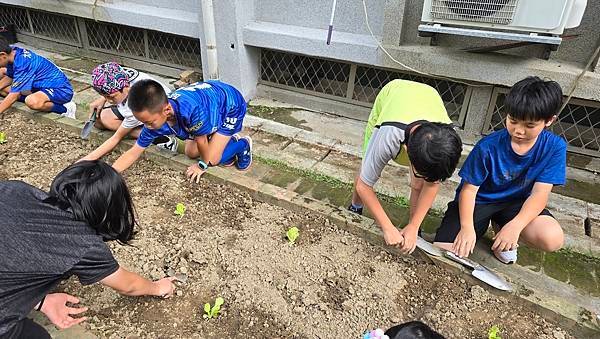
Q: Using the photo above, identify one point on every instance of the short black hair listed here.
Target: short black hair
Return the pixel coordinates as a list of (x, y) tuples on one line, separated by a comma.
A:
[(533, 99), (413, 330), (434, 150), (98, 195), (4, 45), (146, 95)]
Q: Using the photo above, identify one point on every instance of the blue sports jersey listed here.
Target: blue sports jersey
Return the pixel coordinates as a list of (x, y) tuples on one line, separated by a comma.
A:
[(31, 72), (502, 175), (201, 109)]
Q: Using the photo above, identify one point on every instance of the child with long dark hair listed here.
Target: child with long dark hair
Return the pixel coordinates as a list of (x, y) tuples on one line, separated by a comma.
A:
[(48, 237)]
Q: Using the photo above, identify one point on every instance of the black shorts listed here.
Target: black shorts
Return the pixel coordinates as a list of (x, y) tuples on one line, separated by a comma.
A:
[(500, 213)]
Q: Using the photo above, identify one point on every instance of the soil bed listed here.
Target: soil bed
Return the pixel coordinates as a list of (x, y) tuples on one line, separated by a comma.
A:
[(330, 284)]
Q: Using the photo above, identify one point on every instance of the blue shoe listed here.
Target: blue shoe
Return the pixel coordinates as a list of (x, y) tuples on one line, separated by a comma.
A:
[(244, 160)]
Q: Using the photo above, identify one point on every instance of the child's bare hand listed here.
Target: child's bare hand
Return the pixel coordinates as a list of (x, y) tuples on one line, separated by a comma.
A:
[(393, 237), (507, 239), (465, 242), (410, 239), (164, 287), (97, 106), (56, 309), (194, 173)]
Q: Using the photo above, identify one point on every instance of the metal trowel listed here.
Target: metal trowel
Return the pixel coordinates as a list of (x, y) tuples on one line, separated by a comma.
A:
[(481, 272)]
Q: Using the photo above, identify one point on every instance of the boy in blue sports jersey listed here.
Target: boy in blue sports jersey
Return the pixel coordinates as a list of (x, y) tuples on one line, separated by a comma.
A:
[(34, 80), (507, 179), (207, 115)]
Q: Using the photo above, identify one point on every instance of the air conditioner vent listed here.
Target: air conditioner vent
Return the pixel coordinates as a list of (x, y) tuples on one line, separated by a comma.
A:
[(488, 11)]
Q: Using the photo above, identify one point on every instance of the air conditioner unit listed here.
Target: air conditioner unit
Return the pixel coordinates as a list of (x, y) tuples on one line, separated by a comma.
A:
[(540, 21)]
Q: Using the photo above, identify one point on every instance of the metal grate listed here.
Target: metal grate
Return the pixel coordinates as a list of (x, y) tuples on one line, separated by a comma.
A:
[(304, 72), (578, 123), (55, 27), (16, 16), (174, 49), (369, 82), (489, 11), (129, 42), (117, 39)]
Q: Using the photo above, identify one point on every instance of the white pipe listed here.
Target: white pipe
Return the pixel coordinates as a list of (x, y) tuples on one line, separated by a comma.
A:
[(210, 40)]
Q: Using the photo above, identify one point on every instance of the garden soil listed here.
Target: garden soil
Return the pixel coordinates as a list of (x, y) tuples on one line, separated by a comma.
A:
[(329, 284)]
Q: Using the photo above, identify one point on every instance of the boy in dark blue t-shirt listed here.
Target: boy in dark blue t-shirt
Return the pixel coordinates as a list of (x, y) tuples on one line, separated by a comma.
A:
[(34, 80), (207, 115), (507, 179)]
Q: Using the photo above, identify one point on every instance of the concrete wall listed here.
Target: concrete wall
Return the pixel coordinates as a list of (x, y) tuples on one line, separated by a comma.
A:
[(316, 14), (244, 27), (160, 15)]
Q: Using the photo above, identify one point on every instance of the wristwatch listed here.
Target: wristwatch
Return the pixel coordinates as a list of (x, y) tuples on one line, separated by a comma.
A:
[(202, 165)]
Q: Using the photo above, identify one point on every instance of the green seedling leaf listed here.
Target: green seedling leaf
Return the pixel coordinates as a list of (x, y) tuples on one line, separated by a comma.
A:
[(180, 209), (213, 312), (494, 332), (2, 137), (293, 234)]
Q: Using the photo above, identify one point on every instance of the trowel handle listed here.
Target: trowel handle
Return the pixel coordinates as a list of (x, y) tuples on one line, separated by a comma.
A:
[(465, 261)]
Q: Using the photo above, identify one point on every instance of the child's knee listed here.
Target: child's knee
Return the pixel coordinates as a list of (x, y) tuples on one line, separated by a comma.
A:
[(552, 240), (34, 102)]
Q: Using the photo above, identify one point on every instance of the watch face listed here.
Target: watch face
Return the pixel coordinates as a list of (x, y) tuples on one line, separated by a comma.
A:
[(202, 164)]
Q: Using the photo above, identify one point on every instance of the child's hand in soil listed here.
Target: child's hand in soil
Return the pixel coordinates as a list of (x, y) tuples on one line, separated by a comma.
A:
[(392, 236), (164, 287), (194, 173), (56, 309), (409, 233)]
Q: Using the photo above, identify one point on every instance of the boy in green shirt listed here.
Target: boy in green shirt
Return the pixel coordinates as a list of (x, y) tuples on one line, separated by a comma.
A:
[(408, 124)]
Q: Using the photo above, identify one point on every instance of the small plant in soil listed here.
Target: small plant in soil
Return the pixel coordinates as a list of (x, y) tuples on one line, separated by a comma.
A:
[(292, 234), (494, 332), (2, 137), (213, 312), (180, 209)]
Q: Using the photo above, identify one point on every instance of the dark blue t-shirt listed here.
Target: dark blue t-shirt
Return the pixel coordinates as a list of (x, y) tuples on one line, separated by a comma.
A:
[(31, 72), (199, 110), (502, 175)]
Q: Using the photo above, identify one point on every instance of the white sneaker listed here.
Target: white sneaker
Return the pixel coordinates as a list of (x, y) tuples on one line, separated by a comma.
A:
[(507, 257), (71, 109), (170, 145)]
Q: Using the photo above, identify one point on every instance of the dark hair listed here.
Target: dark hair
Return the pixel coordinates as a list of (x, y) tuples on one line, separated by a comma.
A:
[(533, 99), (413, 330), (98, 195), (434, 150), (146, 95), (4, 45)]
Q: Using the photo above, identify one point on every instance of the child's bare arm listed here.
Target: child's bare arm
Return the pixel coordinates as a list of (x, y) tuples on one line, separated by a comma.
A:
[(109, 144), (465, 240), (390, 233), (129, 283), (8, 101), (128, 158), (5, 82), (508, 237), (424, 202)]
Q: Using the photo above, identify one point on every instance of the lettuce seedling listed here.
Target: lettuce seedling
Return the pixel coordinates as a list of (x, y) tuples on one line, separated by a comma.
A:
[(293, 234), (2, 137), (180, 209), (494, 332), (213, 312)]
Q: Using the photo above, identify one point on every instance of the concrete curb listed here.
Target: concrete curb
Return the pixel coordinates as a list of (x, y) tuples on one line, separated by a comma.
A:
[(579, 320)]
